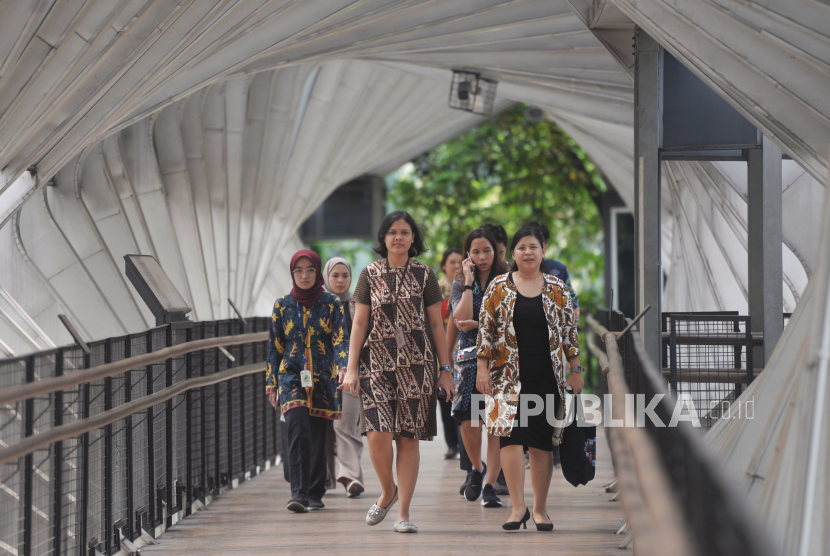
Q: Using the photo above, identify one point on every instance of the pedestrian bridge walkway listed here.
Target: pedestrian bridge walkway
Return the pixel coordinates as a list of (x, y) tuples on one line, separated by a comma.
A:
[(163, 441), (252, 519)]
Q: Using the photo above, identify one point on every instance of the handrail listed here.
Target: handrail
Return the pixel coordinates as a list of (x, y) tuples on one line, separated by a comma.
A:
[(49, 385), (644, 486), (77, 428), (598, 353)]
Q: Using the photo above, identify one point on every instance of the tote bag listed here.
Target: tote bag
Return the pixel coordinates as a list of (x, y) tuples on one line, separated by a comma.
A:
[(578, 449)]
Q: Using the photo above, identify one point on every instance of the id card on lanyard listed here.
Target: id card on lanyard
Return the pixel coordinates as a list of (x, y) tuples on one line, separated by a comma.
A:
[(305, 374), (400, 336)]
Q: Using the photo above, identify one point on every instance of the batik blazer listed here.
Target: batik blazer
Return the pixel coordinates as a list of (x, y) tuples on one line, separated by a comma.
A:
[(497, 342), (319, 336)]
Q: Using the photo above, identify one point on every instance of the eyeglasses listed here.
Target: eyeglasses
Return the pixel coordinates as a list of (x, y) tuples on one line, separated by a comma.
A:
[(307, 272)]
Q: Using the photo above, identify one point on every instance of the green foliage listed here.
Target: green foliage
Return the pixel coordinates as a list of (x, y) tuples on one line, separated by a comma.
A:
[(509, 170)]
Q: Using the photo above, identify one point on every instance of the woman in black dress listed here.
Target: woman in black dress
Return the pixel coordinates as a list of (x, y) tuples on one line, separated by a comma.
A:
[(526, 333)]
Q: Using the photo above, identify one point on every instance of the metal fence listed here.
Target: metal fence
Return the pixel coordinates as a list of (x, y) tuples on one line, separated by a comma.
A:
[(80, 495), (716, 516), (708, 358)]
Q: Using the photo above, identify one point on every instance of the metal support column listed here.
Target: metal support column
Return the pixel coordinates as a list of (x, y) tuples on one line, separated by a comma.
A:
[(648, 92), (764, 221)]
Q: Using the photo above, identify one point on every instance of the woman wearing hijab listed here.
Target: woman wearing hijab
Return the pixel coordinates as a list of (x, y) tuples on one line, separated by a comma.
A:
[(346, 443), (307, 351)]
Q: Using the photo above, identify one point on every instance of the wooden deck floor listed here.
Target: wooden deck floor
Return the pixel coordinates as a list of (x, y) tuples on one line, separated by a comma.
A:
[(252, 519)]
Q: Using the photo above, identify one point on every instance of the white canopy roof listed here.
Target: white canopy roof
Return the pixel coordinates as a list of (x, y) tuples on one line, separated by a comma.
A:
[(205, 132), (779, 451)]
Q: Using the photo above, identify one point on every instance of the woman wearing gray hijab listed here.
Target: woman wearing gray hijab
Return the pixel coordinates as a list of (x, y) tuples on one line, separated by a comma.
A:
[(348, 444)]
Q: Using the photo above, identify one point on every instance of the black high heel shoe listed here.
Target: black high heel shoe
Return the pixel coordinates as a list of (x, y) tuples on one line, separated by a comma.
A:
[(544, 526), (515, 525)]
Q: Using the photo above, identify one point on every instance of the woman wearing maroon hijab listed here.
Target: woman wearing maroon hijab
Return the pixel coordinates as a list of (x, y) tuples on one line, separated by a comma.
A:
[(307, 351)]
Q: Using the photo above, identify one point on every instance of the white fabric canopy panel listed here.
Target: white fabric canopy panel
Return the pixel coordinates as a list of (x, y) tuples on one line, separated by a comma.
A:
[(203, 132), (779, 451), (213, 186)]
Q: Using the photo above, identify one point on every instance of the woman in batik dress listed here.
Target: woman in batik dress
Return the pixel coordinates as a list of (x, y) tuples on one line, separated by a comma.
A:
[(392, 361)]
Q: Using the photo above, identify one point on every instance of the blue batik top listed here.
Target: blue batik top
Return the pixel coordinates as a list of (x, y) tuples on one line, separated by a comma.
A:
[(315, 339), (465, 372)]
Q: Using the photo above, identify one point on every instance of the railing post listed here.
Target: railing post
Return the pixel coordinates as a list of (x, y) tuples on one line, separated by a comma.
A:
[(85, 463), (673, 357), (168, 422), (128, 425), (57, 463), (151, 464), (242, 399), (202, 429), (28, 465), (750, 371), (216, 437), (108, 482), (188, 426)]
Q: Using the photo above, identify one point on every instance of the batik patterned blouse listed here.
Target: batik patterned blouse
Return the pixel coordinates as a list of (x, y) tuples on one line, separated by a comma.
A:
[(315, 339), (497, 342)]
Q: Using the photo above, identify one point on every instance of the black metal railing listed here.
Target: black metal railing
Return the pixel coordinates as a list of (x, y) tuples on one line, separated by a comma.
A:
[(716, 516), (708, 358), (142, 472)]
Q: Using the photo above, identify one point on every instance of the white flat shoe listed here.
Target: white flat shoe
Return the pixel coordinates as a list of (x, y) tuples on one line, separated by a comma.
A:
[(405, 527), (377, 513)]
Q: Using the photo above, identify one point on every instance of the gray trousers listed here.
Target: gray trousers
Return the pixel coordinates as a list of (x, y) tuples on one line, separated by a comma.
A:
[(346, 446)]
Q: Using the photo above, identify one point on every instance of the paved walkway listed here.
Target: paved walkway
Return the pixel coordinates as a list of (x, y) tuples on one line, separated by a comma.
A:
[(252, 519)]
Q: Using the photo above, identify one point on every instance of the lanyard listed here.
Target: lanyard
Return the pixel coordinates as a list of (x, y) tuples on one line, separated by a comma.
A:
[(304, 329), (398, 280)]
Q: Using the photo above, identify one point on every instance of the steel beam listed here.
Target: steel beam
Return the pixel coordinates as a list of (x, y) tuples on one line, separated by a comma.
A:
[(764, 222), (648, 101)]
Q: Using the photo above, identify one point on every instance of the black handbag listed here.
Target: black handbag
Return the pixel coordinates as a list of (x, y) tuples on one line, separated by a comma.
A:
[(578, 448)]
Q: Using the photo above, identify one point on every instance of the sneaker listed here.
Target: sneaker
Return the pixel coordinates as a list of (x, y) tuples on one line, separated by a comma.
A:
[(501, 485), (466, 482), (355, 489), (315, 504), (452, 453), (473, 491), (489, 499), (297, 505)]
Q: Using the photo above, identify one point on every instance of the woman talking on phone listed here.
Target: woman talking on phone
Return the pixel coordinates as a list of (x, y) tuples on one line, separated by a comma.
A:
[(479, 269), (392, 362), (526, 333), (307, 350)]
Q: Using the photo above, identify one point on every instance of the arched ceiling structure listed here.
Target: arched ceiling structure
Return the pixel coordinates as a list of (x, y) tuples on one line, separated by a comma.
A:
[(205, 132)]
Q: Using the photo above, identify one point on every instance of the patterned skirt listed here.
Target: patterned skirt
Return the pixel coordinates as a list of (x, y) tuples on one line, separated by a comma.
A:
[(397, 386)]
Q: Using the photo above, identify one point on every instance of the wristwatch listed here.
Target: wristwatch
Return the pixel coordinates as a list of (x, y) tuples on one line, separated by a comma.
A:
[(446, 368), (577, 369), (468, 287)]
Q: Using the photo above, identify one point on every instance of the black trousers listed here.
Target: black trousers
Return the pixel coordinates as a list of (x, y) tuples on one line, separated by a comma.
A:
[(450, 426), (307, 453)]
